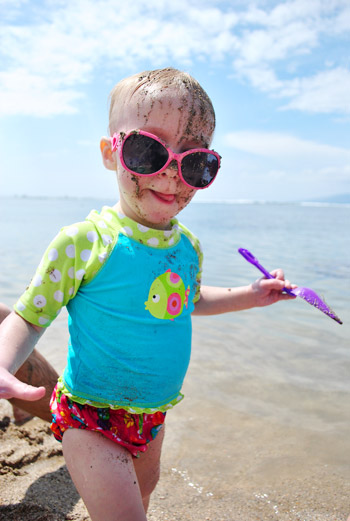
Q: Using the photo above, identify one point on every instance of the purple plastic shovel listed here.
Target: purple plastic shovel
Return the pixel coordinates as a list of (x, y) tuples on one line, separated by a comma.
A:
[(305, 293)]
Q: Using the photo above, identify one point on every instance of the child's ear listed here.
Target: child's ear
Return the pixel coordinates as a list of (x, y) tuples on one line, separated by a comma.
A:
[(108, 157)]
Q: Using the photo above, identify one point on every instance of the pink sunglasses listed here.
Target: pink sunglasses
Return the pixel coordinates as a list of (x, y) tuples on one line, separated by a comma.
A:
[(145, 154)]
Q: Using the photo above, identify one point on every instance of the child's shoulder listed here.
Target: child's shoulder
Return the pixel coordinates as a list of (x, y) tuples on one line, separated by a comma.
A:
[(90, 241), (97, 226), (191, 237)]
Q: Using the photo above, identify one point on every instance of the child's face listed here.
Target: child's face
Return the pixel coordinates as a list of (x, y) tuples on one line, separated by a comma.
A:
[(179, 122)]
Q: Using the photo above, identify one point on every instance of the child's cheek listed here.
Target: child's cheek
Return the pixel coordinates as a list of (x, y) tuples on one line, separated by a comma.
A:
[(186, 197), (129, 184)]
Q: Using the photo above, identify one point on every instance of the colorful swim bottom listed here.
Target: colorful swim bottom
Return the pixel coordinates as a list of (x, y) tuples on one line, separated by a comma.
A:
[(132, 431)]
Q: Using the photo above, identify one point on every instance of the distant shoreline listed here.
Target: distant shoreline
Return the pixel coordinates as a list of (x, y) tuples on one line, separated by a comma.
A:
[(337, 200)]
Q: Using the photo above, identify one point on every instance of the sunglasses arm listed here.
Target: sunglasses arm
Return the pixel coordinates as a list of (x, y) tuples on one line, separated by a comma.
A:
[(115, 141)]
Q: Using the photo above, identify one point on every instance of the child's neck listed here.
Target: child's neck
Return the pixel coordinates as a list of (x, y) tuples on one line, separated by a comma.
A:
[(156, 226)]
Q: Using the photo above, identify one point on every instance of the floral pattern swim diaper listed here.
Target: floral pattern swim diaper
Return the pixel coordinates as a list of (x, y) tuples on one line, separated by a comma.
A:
[(132, 431)]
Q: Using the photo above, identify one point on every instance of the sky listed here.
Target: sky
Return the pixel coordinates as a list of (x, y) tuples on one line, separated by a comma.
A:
[(278, 73)]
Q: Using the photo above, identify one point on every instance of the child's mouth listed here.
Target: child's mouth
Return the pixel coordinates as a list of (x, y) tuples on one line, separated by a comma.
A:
[(165, 198)]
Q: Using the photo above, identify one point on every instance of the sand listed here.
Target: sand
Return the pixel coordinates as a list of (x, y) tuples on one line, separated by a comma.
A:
[(35, 485)]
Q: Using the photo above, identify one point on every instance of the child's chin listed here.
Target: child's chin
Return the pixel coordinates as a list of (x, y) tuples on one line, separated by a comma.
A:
[(161, 220)]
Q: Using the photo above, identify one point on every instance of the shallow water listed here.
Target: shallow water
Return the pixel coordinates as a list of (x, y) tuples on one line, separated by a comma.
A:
[(267, 394)]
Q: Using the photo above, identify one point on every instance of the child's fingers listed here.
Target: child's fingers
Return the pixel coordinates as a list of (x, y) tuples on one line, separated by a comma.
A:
[(11, 387), (28, 392), (269, 284), (277, 285), (279, 275)]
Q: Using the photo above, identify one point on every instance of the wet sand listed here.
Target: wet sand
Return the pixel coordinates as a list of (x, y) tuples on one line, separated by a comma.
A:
[(269, 480)]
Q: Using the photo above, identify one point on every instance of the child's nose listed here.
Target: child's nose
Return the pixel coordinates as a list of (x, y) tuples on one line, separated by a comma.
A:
[(172, 169)]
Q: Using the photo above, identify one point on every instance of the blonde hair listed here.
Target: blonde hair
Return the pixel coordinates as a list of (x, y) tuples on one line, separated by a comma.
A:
[(161, 78)]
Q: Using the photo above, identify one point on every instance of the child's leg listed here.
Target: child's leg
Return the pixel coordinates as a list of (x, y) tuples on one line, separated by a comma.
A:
[(4, 311), (36, 371), (147, 468), (104, 475)]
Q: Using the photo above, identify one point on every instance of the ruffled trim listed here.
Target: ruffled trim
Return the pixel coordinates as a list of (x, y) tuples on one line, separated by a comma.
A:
[(154, 238), (133, 410)]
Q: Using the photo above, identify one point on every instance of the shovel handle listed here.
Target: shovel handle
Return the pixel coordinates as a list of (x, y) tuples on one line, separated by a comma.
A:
[(253, 260)]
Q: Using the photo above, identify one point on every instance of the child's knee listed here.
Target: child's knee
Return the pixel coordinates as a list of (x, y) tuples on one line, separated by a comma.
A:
[(148, 472), (149, 484)]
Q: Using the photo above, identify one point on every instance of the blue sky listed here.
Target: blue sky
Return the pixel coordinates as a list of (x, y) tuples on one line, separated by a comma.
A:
[(278, 74)]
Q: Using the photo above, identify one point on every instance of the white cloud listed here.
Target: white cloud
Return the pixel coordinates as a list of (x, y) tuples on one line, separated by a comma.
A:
[(48, 55), (286, 147), (274, 43), (51, 59), (41, 97), (326, 92), (275, 166)]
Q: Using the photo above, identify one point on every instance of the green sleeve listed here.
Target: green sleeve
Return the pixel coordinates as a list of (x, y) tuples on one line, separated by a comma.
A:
[(73, 258), (197, 246)]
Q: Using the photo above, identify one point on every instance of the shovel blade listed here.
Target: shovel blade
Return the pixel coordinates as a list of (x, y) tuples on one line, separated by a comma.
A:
[(315, 300)]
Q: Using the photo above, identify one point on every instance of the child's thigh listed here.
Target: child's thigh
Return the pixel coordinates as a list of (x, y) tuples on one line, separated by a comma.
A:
[(104, 475), (147, 466)]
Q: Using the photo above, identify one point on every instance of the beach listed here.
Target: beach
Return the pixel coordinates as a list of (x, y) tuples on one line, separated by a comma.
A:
[(264, 430), (272, 451), (272, 481)]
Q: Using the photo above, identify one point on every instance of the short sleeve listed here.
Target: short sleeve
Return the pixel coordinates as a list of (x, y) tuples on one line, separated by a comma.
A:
[(72, 257), (198, 248), (199, 251)]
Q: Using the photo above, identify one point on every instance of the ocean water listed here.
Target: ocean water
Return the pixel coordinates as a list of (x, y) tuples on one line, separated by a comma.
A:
[(264, 375)]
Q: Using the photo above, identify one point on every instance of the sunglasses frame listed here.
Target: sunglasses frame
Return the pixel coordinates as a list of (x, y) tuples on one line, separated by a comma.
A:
[(117, 144)]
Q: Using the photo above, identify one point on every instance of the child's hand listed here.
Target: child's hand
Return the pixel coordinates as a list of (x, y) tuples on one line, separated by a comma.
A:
[(269, 291), (11, 387)]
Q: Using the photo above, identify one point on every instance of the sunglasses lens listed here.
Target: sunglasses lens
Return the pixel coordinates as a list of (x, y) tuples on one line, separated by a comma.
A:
[(199, 169), (144, 155)]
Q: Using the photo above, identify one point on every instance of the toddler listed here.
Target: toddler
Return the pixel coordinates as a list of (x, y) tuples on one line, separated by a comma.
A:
[(130, 277)]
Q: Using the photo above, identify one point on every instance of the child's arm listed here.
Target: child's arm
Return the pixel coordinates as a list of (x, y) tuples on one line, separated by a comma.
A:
[(263, 292), (17, 341)]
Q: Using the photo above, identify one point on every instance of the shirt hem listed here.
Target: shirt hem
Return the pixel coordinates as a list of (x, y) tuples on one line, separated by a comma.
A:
[(134, 409)]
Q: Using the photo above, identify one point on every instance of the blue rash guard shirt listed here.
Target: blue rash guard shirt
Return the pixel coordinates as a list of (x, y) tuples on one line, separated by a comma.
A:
[(129, 291)]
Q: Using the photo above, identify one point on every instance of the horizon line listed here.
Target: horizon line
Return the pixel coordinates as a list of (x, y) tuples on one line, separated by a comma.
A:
[(306, 202)]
